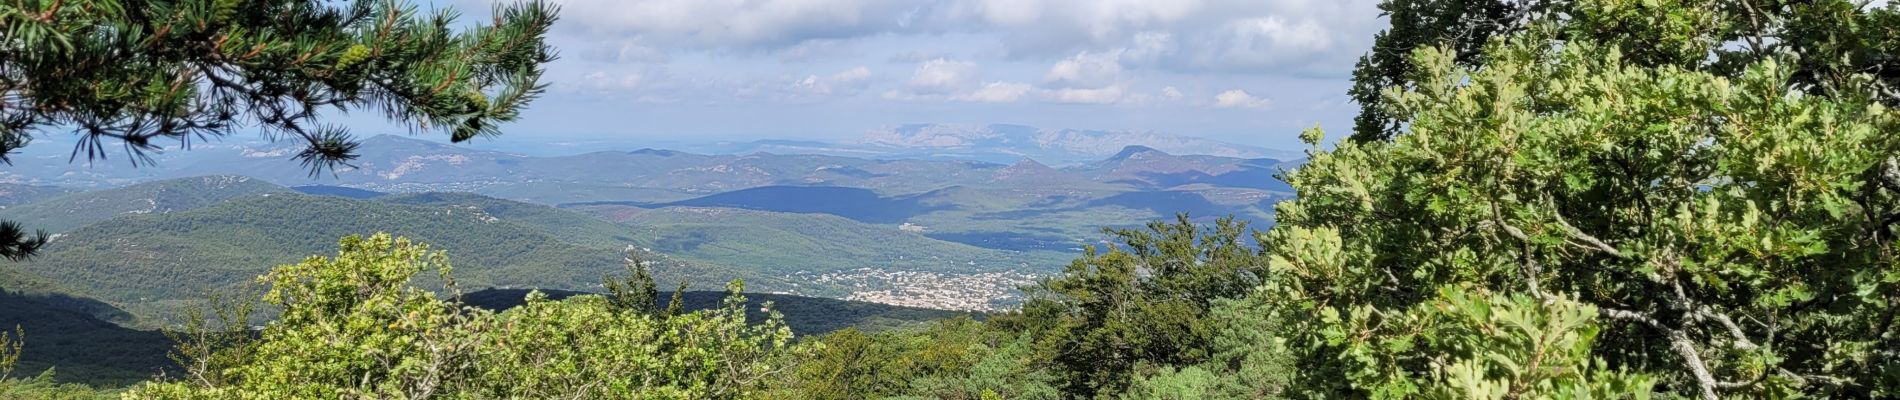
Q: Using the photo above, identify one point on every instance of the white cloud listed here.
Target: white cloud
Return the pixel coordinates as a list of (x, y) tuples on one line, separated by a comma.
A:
[(1086, 69), (952, 80), (1245, 36), (1237, 98), (995, 92), (1261, 43), (735, 22), (649, 85), (603, 80), (1078, 19), (1105, 95), (847, 82), (1085, 78), (941, 76), (1171, 93), (1152, 58), (1187, 35), (817, 50), (914, 56), (627, 51)]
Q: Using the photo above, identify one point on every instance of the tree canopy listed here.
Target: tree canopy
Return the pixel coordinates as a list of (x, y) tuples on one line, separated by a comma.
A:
[(1830, 47), (358, 325), (1723, 202), (135, 74)]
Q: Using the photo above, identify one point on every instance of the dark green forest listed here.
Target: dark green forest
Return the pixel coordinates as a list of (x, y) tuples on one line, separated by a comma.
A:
[(1549, 199)]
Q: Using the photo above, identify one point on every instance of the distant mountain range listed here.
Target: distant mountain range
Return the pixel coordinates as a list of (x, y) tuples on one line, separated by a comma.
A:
[(398, 164), (998, 143), (809, 224), (1022, 205), (152, 248)]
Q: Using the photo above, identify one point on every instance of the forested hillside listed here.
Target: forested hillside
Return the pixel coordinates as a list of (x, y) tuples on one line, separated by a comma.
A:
[(65, 213), (156, 264), (77, 346)]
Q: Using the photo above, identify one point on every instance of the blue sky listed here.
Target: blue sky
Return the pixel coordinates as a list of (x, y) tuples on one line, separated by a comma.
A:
[(1253, 72)]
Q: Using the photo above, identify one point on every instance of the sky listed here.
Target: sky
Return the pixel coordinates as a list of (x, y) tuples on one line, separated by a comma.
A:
[(1247, 71)]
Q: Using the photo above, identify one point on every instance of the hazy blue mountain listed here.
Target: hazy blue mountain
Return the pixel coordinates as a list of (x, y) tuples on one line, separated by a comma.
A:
[(854, 203), (909, 158), (988, 142), (1022, 203), (1151, 168)]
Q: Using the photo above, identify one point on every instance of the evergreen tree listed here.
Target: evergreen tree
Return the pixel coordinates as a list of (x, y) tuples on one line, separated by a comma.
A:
[(133, 74), (676, 303), (635, 293), (10, 344), (16, 244)]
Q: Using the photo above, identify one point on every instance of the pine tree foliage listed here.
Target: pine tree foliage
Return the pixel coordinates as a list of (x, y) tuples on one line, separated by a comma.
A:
[(136, 74), (137, 71), (16, 244), (636, 292)]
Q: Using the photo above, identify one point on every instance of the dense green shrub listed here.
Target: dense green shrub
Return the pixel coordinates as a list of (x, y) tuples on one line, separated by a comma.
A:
[(355, 326)]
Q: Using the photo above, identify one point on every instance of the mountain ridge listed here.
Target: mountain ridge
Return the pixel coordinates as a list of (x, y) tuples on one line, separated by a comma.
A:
[(1059, 145)]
